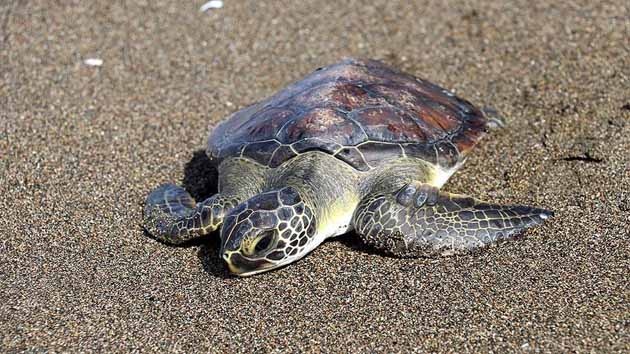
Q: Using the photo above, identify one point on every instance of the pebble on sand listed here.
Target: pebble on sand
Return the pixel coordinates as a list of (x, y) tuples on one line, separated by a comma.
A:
[(93, 62), (213, 4)]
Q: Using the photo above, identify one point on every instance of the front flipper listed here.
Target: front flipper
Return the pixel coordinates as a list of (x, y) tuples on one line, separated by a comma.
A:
[(421, 221), (171, 214)]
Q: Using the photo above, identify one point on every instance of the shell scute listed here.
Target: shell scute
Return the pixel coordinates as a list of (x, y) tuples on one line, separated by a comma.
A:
[(387, 123), (314, 143), (352, 156), (375, 152), (427, 152), (322, 122), (261, 151), (282, 154)]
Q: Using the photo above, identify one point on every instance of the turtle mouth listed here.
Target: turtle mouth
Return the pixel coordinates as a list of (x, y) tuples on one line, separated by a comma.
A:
[(245, 266)]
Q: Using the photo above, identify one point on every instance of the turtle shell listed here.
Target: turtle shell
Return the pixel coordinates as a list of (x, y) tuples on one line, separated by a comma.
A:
[(361, 112)]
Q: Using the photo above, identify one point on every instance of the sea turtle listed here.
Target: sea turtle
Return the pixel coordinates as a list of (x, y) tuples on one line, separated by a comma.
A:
[(353, 146)]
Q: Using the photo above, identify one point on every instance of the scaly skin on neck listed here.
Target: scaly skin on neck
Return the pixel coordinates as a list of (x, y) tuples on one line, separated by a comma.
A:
[(241, 178), (328, 185)]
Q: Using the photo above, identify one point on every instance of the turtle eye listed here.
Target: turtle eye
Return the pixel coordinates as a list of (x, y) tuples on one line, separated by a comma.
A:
[(264, 242)]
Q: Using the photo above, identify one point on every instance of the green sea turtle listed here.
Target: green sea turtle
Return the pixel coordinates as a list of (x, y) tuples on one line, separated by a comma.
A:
[(352, 146)]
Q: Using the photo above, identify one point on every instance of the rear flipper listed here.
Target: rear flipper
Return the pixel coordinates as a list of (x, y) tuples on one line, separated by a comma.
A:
[(421, 221), (171, 214)]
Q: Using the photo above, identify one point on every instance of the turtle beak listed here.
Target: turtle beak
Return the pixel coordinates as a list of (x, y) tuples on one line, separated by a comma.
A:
[(243, 266)]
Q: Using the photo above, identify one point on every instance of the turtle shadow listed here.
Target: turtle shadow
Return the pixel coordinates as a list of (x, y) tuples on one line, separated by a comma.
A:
[(354, 242), (201, 181), (210, 258), (200, 176), (208, 253)]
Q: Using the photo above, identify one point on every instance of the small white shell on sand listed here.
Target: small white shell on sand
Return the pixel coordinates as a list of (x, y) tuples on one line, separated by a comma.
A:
[(93, 62), (213, 4)]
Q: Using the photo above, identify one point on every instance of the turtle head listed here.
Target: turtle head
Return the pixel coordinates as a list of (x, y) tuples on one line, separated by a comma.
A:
[(267, 231)]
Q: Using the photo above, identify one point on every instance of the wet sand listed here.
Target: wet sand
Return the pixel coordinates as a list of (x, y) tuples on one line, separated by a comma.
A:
[(81, 146)]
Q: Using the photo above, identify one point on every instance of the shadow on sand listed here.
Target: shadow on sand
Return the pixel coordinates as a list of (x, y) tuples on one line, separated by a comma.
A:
[(354, 242), (201, 181), (200, 176), (210, 258)]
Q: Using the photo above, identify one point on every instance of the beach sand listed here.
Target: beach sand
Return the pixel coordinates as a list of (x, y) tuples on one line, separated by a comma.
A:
[(82, 145)]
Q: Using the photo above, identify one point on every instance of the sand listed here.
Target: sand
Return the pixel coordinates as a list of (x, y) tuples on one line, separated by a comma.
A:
[(81, 146)]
